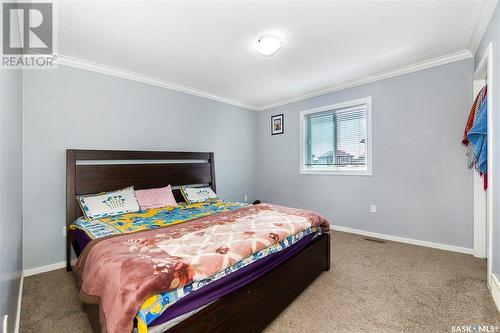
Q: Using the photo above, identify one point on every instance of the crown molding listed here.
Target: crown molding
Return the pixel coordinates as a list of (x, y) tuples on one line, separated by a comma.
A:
[(418, 66), (124, 74), (485, 15), (116, 72)]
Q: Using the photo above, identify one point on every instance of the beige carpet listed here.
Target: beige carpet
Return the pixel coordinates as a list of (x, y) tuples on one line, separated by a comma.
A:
[(372, 287)]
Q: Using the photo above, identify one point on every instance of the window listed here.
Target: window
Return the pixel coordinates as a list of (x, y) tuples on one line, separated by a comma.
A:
[(336, 139)]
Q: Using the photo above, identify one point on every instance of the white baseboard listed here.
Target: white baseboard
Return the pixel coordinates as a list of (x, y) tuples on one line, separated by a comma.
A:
[(439, 246), (19, 299), (46, 268), (495, 290)]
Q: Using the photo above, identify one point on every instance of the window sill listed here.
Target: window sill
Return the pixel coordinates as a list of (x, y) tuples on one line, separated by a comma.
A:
[(336, 172)]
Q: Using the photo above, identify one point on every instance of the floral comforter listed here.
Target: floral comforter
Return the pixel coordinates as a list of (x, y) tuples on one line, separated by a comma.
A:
[(122, 271)]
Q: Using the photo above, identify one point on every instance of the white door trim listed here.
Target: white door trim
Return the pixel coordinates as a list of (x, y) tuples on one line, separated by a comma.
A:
[(485, 69)]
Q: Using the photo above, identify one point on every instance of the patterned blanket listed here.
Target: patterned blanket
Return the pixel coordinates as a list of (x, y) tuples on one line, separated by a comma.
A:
[(154, 306), (152, 218), (121, 272)]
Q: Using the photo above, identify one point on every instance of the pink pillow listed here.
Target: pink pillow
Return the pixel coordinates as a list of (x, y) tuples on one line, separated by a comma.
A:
[(156, 198)]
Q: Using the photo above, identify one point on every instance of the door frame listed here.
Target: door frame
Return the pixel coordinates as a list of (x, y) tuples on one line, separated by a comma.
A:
[(485, 71)]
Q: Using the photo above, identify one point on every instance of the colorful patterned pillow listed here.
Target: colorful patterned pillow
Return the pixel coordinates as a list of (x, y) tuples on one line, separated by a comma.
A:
[(156, 198), (197, 194), (95, 206)]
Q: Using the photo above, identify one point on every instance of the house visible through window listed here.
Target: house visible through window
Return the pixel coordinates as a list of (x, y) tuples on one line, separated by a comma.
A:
[(335, 139)]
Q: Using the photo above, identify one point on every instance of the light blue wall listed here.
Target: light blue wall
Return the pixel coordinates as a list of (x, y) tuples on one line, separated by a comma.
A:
[(11, 102), (72, 108), (420, 183), (492, 35)]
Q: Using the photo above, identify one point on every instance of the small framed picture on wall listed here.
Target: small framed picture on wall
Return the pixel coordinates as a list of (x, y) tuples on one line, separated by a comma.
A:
[(277, 124)]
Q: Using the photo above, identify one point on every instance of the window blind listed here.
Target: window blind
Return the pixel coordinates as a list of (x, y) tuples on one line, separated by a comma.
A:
[(337, 138)]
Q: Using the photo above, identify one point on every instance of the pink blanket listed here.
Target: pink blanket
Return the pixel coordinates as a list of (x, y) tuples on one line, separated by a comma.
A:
[(120, 272)]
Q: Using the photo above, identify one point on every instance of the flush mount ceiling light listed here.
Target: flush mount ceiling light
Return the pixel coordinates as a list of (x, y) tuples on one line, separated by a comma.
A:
[(268, 45)]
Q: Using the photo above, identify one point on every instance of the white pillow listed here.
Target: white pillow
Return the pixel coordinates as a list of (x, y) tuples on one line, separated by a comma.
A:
[(197, 194), (95, 206)]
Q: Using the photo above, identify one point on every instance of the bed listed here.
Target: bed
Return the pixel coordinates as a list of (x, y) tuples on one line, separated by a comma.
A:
[(251, 297)]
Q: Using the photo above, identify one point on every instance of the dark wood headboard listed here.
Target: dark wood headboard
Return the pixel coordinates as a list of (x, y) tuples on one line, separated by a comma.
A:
[(95, 171)]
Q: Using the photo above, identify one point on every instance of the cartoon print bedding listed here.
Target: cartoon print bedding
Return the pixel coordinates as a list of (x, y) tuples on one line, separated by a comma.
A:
[(152, 218)]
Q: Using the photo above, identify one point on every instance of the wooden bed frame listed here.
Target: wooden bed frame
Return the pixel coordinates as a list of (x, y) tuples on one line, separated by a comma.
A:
[(248, 309)]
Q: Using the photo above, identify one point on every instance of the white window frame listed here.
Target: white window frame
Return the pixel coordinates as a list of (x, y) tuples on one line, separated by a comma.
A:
[(336, 172)]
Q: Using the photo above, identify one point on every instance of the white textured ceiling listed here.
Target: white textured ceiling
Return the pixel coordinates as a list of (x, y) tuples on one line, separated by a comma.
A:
[(208, 46)]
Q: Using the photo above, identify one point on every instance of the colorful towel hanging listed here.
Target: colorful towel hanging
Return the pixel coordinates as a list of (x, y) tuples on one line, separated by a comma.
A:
[(477, 136), (471, 158)]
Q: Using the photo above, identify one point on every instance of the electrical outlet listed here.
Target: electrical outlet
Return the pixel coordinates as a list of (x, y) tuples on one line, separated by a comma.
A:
[(5, 323), (246, 198), (64, 231), (373, 208)]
